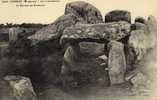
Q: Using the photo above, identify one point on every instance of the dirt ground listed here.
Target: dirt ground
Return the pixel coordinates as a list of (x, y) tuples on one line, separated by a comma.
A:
[(95, 93)]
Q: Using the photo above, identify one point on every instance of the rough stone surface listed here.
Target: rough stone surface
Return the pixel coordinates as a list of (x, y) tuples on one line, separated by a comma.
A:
[(54, 30), (152, 24), (103, 57), (86, 12), (118, 15), (130, 58), (22, 87), (103, 60), (13, 33), (141, 26), (140, 42), (3, 49), (6, 92), (96, 32), (91, 48), (140, 20), (19, 32), (116, 63), (141, 83), (70, 57), (80, 67)]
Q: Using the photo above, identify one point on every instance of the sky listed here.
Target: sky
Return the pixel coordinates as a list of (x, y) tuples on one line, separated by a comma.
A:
[(9, 13)]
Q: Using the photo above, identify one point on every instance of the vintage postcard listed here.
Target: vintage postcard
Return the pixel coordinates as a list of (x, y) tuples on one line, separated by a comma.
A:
[(78, 50)]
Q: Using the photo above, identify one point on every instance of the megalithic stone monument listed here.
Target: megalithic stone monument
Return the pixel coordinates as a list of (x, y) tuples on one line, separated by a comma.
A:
[(116, 63)]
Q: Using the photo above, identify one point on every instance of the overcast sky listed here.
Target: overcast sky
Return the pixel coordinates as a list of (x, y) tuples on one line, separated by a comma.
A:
[(12, 14)]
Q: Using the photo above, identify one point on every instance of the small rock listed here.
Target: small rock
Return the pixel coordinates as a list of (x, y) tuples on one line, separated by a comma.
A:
[(22, 87), (6, 92), (102, 59)]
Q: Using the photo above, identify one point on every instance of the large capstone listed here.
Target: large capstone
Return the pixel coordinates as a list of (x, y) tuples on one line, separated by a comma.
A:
[(54, 30), (22, 87), (116, 63), (118, 15), (96, 32), (86, 12)]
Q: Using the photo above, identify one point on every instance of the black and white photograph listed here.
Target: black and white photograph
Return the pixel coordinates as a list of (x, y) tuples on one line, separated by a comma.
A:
[(78, 50)]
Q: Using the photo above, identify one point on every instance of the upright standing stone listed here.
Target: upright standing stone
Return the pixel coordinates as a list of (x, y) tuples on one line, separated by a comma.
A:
[(152, 24), (118, 15), (69, 59), (13, 33), (116, 62), (140, 20)]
